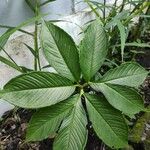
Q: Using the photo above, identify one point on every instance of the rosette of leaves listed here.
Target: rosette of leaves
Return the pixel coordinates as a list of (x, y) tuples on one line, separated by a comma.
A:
[(57, 97)]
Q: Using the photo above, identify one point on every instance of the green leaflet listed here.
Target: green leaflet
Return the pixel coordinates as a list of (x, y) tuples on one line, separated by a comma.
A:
[(46, 2), (113, 86), (47, 120), (122, 98), (122, 36), (31, 49), (60, 51), (128, 74), (119, 17), (37, 89), (10, 63), (108, 122), (93, 50), (4, 41), (73, 133)]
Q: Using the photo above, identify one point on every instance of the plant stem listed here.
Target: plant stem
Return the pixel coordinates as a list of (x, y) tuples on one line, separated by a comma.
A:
[(135, 8), (115, 3), (94, 10), (30, 5), (122, 6), (82, 86), (36, 58), (73, 6), (104, 11), (81, 92), (136, 12)]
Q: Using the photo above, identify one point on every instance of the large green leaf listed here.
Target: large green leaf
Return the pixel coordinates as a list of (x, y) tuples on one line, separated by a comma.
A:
[(60, 51), (37, 89), (129, 74), (123, 98), (93, 50), (47, 120), (107, 122), (73, 133)]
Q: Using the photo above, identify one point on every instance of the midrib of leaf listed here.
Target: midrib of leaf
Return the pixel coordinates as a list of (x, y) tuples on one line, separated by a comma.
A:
[(35, 89), (61, 53), (123, 96), (121, 77), (91, 66), (106, 122), (72, 121), (122, 36), (71, 127)]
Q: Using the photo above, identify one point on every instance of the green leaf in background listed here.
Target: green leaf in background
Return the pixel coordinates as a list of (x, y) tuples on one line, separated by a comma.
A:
[(101, 5), (122, 98), (31, 4), (37, 89), (73, 133), (93, 50), (107, 122), (118, 17), (31, 49), (122, 37), (47, 120), (60, 51), (136, 44), (4, 41), (10, 63), (129, 74), (46, 2)]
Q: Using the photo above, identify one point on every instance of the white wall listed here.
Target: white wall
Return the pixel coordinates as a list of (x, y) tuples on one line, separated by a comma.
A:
[(13, 12)]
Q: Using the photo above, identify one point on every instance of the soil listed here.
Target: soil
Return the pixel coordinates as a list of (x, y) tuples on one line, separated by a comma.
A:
[(13, 130)]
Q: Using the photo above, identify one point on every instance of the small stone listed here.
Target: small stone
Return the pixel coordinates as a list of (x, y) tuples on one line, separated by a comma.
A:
[(13, 127)]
